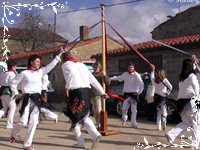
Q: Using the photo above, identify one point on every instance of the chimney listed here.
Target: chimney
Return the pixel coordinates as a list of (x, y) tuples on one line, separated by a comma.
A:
[(84, 34)]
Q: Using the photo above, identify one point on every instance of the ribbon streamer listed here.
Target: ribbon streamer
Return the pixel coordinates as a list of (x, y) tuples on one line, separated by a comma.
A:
[(116, 96), (129, 45), (174, 48), (75, 41), (139, 54)]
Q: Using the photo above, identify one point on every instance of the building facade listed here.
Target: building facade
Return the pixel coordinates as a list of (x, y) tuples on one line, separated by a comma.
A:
[(182, 24)]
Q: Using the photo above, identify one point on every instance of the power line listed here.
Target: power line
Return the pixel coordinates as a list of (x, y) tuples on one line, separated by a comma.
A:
[(110, 5), (123, 3), (78, 10)]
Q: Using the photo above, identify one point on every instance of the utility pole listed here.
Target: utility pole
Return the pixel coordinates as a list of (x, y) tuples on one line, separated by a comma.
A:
[(179, 7), (103, 49), (54, 30), (104, 115)]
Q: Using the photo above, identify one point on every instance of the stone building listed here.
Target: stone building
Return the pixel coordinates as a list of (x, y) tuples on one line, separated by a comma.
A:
[(184, 23)]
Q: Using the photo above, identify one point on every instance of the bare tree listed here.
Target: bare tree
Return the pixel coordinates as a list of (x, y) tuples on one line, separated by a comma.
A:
[(36, 32)]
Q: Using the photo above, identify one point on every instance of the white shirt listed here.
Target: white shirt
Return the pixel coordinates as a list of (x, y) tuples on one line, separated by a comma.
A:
[(132, 82), (6, 78), (31, 81), (160, 88), (45, 82), (198, 77), (189, 87), (78, 76)]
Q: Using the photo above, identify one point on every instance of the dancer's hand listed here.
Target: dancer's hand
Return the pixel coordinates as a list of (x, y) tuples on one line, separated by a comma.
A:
[(152, 67), (105, 96), (62, 50), (19, 96), (104, 73), (194, 57), (44, 96), (196, 62)]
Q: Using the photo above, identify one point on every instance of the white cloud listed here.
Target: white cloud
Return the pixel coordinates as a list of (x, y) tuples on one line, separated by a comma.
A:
[(68, 23), (132, 21)]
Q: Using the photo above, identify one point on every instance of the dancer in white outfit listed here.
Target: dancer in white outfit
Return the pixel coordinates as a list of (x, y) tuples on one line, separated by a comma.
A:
[(8, 101), (188, 87), (3, 68), (78, 88), (31, 86), (133, 87), (162, 90), (197, 66)]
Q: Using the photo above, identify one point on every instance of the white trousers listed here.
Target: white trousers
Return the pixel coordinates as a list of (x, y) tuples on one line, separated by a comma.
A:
[(49, 113), (96, 107), (90, 128), (10, 104), (189, 119), (23, 121), (130, 102), (198, 126), (161, 114)]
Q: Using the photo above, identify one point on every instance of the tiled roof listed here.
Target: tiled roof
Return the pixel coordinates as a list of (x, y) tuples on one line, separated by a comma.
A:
[(16, 33), (184, 40), (92, 40), (57, 48), (23, 55)]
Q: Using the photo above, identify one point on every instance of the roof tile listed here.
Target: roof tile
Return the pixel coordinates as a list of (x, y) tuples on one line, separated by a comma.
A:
[(57, 48), (190, 39), (16, 33)]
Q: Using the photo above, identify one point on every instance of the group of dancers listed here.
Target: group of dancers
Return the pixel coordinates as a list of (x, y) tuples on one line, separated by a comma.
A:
[(32, 83), (188, 99), (78, 84)]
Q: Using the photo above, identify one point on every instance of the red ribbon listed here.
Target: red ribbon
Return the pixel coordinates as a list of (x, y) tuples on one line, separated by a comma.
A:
[(129, 45), (116, 96)]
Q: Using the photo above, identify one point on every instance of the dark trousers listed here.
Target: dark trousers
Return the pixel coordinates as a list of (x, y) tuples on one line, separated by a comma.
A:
[(151, 111)]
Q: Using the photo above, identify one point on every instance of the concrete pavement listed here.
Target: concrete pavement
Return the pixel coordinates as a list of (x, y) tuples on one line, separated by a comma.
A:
[(58, 137)]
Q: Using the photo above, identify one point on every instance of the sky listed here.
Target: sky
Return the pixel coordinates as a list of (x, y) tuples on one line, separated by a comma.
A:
[(134, 21)]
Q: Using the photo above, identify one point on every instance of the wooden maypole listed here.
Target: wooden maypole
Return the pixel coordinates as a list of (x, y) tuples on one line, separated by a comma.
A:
[(104, 130)]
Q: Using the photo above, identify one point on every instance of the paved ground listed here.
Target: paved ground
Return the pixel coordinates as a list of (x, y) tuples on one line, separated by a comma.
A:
[(58, 137)]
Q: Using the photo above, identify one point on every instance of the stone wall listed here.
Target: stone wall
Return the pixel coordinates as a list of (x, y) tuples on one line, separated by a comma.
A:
[(185, 23)]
